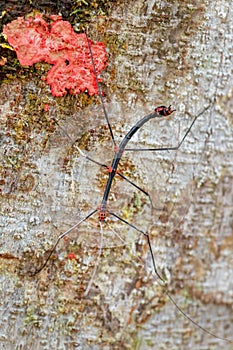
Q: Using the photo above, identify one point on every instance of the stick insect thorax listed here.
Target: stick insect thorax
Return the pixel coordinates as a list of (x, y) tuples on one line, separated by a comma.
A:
[(159, 112)]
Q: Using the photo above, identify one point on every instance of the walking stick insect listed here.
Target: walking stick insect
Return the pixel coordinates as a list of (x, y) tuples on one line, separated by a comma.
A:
[(103, 211)]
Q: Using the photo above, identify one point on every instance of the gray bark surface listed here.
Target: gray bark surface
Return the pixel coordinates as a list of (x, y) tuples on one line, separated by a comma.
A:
[(159, 53)]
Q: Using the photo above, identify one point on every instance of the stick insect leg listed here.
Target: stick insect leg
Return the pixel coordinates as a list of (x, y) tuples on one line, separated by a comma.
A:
[(100, 92), (173, 148), (66, 233), (136, 186), (191, 320), (162, 283), (103, 165), (148, 239), (79, 149), (96, 262), (160, 149)]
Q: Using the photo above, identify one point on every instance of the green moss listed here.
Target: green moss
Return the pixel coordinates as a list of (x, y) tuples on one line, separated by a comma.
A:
[(84, 10)]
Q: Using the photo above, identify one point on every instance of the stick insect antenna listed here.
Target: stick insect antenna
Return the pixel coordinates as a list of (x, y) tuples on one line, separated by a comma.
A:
[(99, 91)]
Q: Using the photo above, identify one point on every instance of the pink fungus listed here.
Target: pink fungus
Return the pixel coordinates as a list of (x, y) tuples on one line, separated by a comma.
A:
[(34, 40)]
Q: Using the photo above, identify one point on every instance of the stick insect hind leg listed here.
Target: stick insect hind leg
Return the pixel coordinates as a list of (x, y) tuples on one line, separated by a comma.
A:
[(64, 234)]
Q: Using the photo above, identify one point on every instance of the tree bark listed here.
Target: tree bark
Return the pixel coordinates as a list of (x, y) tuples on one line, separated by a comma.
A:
[(107, 297)]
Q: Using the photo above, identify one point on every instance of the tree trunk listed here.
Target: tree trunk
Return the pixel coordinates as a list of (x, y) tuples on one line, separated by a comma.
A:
[(106, 295)]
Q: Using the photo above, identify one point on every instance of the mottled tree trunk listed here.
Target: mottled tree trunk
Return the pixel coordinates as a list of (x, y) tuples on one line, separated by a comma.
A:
[(159, 53)]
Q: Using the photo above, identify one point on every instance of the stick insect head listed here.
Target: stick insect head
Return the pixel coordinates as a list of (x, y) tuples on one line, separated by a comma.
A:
[(164, 111)]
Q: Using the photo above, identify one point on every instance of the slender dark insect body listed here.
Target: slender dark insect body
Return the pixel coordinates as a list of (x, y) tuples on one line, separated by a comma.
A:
[(159, 112)]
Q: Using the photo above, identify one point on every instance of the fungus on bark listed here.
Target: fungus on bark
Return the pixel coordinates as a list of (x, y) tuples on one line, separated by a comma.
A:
[(34, 40)]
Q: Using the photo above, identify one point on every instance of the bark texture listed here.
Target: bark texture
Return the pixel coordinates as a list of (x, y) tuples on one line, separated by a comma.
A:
[(160, 52)]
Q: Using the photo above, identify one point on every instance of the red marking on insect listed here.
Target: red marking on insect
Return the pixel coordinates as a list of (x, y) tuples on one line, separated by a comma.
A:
[(102, 215), (164, 111), (102, 212), (110, 169)]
